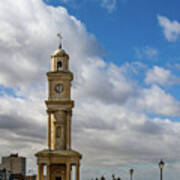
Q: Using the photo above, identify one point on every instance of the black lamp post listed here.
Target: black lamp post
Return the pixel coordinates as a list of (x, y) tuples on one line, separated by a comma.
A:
[(131, 173), (161, 166)]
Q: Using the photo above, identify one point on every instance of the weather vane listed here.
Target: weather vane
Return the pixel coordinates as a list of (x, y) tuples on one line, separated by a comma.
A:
[(60, 40)]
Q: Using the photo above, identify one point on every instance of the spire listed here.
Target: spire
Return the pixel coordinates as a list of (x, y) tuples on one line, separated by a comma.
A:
[(60, 52), (60, 40)]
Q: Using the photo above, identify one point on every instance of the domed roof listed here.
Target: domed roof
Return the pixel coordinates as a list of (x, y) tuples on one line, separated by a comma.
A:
[(60, 53)]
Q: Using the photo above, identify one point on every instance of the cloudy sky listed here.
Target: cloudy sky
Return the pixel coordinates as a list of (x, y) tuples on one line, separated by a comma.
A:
[(125, 56)]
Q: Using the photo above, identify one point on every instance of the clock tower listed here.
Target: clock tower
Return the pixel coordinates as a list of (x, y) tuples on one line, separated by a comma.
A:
[(59, 158)]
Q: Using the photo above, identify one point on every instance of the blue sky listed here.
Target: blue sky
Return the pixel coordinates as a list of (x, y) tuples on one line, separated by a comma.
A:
[(130, 25), (125, 57)]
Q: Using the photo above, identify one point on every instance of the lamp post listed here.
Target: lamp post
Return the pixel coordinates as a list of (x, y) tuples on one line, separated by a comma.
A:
[(161, 166), (131, 173)]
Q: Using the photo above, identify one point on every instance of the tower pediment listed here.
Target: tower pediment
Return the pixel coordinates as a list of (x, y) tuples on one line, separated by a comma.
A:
[(59, 105)]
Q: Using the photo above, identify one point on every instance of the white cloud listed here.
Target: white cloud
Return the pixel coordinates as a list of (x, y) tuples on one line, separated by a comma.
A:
[(155, 100), (171, 29), (150, 52), (161, 76), (109, 125), (108, 84), (146, 52), (110, 5)]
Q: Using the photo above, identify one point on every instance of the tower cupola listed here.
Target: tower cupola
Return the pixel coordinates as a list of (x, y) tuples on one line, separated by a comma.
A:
[(59, 60)]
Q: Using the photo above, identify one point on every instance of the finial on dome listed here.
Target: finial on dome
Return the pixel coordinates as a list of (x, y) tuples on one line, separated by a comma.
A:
[(60, 52), (60, 40)]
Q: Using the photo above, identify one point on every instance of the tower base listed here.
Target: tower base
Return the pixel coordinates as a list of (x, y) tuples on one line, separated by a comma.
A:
[(58, 164)]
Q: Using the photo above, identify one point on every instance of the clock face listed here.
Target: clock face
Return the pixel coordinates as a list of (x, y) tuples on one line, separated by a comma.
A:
[(59, 88)]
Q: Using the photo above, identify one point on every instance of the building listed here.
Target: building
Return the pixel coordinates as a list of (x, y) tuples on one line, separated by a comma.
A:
[(3, 174), (13, 167), (14, 164), (59, 157)]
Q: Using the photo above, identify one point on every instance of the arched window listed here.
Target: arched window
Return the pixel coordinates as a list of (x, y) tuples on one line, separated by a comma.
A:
[(59, 65)]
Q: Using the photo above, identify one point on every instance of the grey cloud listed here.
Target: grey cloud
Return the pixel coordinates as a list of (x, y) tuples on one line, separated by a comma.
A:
[(21, 126), (149, 127), (91, 122), (10, 122)]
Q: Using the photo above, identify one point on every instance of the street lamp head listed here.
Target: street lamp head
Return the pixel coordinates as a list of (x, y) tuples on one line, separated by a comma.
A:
[(131, 171), (161, 164)]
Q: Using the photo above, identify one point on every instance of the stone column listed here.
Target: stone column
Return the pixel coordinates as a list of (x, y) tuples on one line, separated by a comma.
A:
[(40, 173), (68, 171), (49, 88), (68, 142), (49, 130), (53, 132), (78, 171), (48, 172)]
